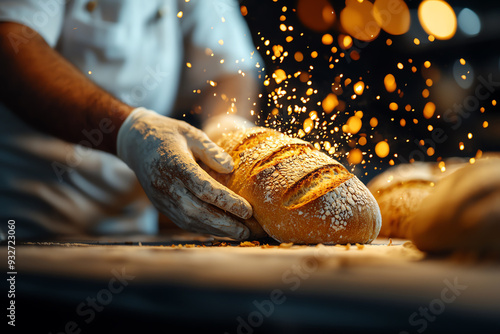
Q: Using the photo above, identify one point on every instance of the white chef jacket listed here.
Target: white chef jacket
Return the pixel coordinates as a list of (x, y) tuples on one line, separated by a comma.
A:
[(136, 50)]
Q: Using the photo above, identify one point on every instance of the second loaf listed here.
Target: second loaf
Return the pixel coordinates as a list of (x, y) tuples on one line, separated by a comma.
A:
[(298, 193)]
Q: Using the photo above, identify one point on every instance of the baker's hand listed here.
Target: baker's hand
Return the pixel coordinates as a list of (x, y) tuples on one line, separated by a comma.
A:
[(162, 152)]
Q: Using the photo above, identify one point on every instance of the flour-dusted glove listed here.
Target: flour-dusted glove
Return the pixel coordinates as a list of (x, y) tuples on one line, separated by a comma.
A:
[(162, 152)]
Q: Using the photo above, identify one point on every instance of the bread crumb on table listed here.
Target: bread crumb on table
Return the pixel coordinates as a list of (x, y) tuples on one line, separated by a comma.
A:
[(220, 244), (360, 246), (249, 243)]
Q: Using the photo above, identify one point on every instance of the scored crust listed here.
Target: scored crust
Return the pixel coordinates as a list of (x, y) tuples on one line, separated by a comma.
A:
[(299, 194)]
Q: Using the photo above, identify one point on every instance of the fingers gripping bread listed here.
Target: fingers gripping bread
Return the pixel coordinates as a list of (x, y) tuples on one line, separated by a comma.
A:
[(298, 194)]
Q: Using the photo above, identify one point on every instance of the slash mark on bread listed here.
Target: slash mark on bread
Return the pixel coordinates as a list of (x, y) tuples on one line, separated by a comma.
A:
[(315, 185)]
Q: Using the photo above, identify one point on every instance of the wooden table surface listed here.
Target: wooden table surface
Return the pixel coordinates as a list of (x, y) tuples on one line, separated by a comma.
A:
[(388, 286)]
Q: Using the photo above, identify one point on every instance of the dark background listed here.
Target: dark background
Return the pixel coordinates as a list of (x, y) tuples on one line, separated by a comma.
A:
[(481, 52)]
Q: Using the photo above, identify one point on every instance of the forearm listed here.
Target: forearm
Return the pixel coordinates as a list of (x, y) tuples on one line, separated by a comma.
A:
[(49, 93)]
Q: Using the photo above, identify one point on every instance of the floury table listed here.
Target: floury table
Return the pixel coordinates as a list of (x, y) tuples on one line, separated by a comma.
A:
[(143, 284)]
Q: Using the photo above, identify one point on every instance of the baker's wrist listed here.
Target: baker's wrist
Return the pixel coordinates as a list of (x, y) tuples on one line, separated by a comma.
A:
[(128, 125), (108, 115)]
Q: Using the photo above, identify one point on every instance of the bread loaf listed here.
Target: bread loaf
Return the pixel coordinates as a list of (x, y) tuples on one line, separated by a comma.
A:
[(400, 191), (462, 214), (298, 193)]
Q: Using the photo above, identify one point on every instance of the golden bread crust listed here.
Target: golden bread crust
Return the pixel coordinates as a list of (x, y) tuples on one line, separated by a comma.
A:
[(298, 193)]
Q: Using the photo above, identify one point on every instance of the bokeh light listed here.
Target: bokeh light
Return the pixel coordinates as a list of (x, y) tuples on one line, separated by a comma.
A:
[(345, 41), (429, 110), (279, 75), (469, 22), (330, 103), (371, 101), (390, 83), (382, 149), (359, 87), (463, 73), (327, 39), (392, 15), (355, 156), (317, 15), (437, 18), (358, 21), (353, 125)]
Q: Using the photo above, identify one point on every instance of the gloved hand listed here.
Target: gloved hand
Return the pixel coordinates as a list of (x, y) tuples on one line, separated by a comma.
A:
[(162, 151)]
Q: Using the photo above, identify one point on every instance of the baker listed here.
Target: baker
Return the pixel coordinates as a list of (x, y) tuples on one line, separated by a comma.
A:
[(88, 93)]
